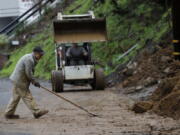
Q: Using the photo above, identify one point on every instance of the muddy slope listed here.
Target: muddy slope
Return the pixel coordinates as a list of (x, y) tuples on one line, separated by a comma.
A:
[(157, 68)]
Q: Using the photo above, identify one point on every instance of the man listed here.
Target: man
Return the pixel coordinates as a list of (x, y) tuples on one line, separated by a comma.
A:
[(21, 77), (76, 54)]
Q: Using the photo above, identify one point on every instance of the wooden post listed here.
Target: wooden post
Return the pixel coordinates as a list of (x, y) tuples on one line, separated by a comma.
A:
[(176, 28)]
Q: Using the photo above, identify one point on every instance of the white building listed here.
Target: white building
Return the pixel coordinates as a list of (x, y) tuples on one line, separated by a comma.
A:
[(11, 9)]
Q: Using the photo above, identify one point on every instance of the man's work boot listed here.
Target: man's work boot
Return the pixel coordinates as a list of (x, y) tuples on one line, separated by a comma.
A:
[(40, 113), (12, 116)]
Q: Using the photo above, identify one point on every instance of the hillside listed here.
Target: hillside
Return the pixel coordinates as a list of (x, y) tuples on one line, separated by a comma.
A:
[(129, 22)]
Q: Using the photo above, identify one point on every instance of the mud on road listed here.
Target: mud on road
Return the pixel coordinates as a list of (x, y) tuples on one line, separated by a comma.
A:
[(65, 119)]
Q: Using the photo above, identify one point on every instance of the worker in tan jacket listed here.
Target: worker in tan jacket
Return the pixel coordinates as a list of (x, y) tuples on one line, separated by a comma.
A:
[(22, 77)]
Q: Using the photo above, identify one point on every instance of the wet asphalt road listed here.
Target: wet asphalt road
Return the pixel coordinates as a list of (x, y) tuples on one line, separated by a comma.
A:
[(65, 119), (6, 91)]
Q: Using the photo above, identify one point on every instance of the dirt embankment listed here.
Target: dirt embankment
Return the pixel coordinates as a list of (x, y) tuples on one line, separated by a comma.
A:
[(167, 97), (155, 68)]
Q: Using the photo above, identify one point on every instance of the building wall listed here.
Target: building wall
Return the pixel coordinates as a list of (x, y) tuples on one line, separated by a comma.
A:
[(24, 5), (9, 8), (4, 21)]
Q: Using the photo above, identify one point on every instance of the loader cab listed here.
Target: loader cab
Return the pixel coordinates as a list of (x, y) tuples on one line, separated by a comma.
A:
[(85, 59), (62, 50)]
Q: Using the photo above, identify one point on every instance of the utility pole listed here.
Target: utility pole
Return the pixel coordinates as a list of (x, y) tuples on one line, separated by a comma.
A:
[(176, 28)]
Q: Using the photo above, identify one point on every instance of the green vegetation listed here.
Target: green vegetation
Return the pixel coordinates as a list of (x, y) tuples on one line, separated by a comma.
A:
[(129, 22), (45, 65)]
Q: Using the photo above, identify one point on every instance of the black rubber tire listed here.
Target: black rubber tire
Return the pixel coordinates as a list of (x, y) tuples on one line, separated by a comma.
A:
[(57, 80), (99, 80)]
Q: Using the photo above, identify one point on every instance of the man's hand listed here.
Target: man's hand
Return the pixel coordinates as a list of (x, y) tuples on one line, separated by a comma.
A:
[(37, 84)]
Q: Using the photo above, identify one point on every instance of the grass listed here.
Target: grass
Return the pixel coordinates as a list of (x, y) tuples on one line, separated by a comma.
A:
[(45, 65)]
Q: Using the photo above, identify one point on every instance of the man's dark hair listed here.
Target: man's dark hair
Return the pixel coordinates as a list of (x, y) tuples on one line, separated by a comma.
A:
[(38, 49)]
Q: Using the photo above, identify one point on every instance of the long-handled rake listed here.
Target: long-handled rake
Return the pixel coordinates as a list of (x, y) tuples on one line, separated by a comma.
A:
[(67, 100)]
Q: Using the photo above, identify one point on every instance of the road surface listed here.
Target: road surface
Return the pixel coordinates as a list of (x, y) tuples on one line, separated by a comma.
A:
[(65, 119)]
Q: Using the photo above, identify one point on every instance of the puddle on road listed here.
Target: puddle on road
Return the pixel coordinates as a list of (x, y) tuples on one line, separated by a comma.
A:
[(9, 133)]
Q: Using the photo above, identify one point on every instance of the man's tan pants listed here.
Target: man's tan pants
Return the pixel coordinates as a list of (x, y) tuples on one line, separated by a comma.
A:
[(26, 96)]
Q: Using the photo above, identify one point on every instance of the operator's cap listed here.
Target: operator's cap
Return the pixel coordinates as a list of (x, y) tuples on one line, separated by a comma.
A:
[(38, 49)]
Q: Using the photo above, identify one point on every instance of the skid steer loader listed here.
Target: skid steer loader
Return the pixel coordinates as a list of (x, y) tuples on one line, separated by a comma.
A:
[(81, 29)]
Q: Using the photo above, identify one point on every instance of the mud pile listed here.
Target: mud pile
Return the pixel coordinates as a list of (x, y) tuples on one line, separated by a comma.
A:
[(167, 98), (150, 68), (156, 68)]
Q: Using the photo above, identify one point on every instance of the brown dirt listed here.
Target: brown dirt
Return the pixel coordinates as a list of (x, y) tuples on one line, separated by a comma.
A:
[(166, 99), (166, 87), (142, 107), (162, 68), (169, 106), (152, 66)]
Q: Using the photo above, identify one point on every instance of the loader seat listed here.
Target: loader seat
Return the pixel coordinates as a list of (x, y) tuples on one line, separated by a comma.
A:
[(84, 59)]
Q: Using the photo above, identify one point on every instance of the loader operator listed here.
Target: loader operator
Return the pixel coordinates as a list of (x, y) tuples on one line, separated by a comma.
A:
[(21, 77), (76, 54)]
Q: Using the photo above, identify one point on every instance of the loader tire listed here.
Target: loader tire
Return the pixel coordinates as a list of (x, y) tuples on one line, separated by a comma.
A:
[(57, 80), (99, 80)]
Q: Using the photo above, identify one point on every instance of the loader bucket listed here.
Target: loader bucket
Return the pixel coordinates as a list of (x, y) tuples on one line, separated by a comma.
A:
[(75, 31)]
